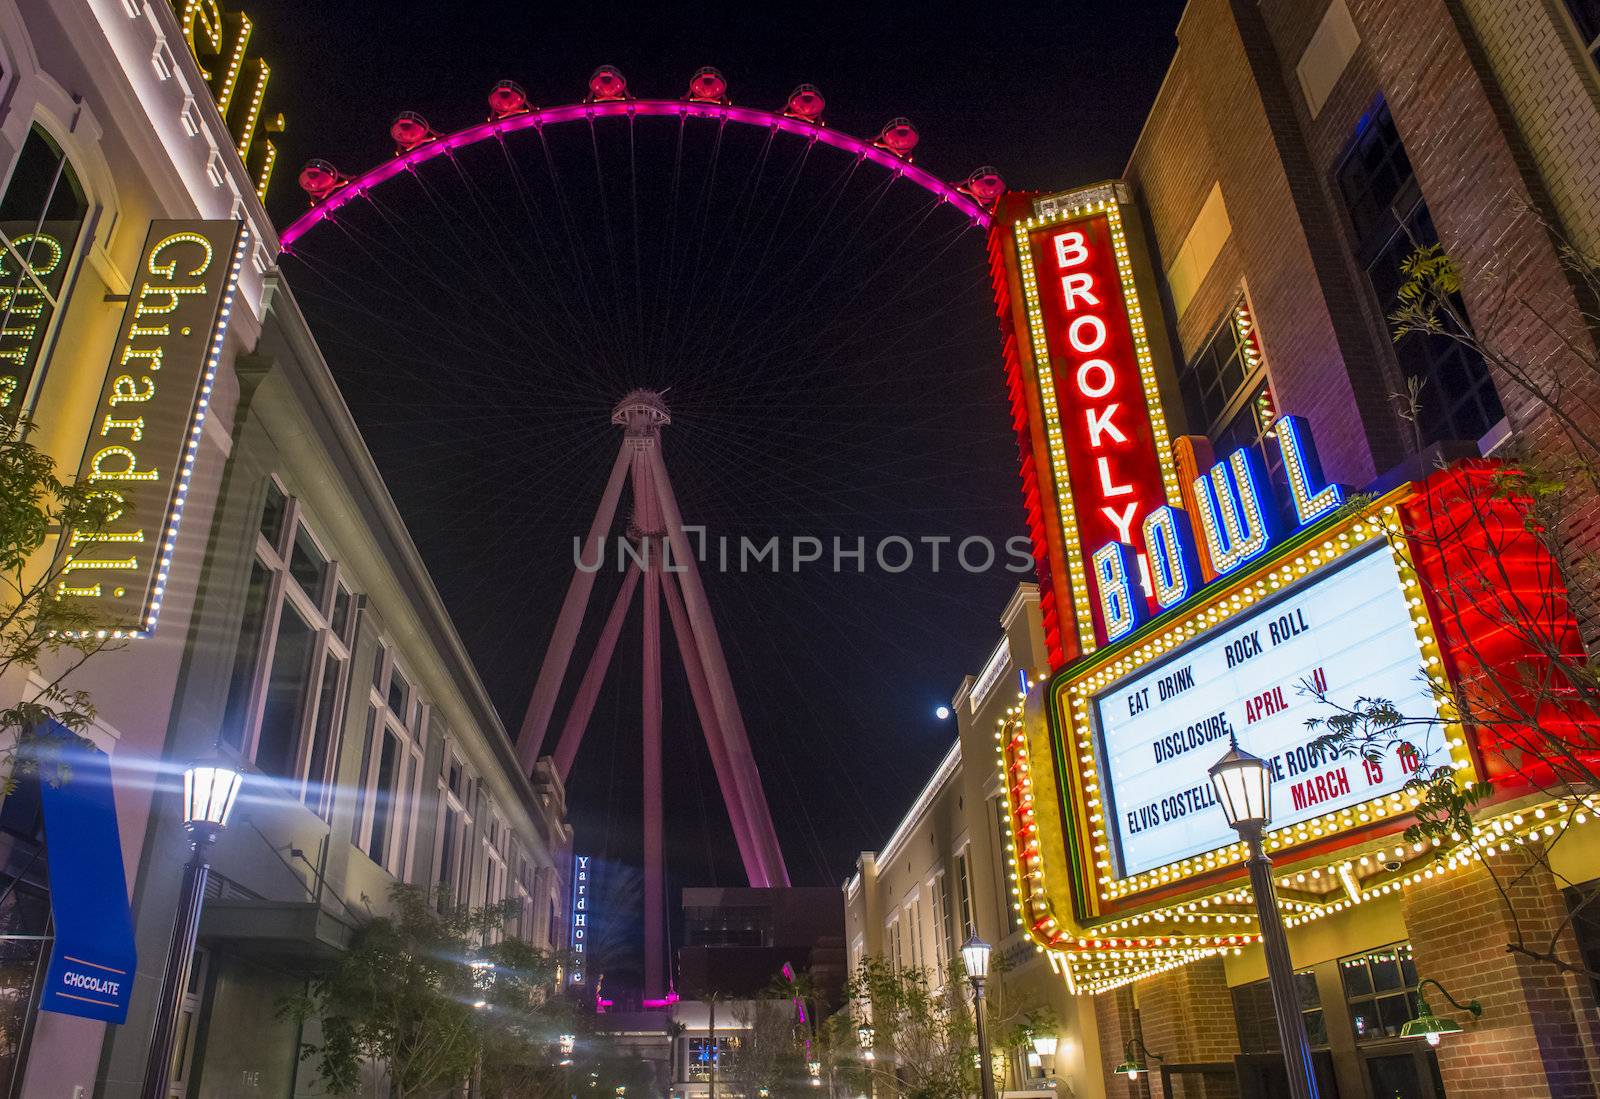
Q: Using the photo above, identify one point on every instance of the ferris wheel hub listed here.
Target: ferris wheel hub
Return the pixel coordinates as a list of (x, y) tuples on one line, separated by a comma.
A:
[(642, 412)]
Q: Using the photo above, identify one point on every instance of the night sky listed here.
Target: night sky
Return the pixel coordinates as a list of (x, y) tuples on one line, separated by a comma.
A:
[(827, 334)]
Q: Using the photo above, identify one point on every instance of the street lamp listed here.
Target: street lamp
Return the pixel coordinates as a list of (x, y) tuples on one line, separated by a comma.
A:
[(1430, 1026), (1044, 1047), (209, 792), (1132, 1063), (975, 956), (864, 1037), (1244, 787)]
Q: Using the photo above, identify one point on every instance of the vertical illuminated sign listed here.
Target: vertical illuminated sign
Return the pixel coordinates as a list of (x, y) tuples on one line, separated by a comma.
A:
[(580, 920), (145, 430), (1102, 434), (220, 42)]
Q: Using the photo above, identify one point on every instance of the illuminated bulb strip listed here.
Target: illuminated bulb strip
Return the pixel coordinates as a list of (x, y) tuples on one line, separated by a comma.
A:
[(1099, 964), (1141, 347), (269, 157), (247, 129), (230, 80), (1044, 379)]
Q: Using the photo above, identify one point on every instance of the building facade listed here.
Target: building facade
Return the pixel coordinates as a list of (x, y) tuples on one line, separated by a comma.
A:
[(290, 626), (940, 876), (1296, 154)]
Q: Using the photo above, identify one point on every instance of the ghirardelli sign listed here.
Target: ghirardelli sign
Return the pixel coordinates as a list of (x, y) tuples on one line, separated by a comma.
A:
[(146, 425)]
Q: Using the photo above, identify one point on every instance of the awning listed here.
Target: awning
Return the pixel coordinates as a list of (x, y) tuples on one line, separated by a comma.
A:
[(93, 959)]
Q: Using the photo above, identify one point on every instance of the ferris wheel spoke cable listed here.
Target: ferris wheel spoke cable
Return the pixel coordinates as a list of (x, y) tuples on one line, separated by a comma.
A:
[(797, 312), (403, 248), (867, 819), (784, 341), (540, 236), (701, 232), (736, 215), (755, 289), (491, 290), (581, 267), (638, 258), (498, 236), (605, 223), (348, 303)]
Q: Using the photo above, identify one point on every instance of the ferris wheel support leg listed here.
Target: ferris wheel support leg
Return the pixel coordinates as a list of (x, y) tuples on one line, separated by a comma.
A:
[(729, 719), (654, 876), (700, 692), (594, 677), (530, 738)]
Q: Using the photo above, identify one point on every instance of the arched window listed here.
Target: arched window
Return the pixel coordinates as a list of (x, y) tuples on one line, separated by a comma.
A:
[(41, 215)]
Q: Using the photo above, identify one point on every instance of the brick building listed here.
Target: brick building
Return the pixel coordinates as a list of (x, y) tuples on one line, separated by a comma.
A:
[(1297, 152)]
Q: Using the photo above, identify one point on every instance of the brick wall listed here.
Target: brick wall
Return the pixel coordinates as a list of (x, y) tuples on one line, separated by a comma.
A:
[(1227, 92), (1186, 1015), (1117, 1023), (1556, 107), (1492, 211), (1536, 1038)]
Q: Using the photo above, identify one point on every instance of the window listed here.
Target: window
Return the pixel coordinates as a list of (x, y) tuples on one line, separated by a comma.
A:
[(1391, 220), (891, 941), (703, 1054), (914, 931), (1583, 902), (286, 693), (1213, 382), (969, 925), (1380, 990), (183, 1046), (236, 714), (274, 514), (1002, 831), (40, 217), (496, 882), (1225, 392), (386, 797), (391, 773), (944, 945), (1586, 17), (455, 825), (1251, 429), (1258, 1022)]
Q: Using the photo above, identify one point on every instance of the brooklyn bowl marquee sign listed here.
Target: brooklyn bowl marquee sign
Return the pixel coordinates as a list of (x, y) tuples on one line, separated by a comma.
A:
[(1195, 604)]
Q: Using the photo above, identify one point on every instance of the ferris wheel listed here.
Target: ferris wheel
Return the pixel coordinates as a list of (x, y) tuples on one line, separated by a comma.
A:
[(511, 111), (487, 294)]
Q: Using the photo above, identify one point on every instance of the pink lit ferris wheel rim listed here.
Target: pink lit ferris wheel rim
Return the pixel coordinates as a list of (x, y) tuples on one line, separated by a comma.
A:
[(627, 108)]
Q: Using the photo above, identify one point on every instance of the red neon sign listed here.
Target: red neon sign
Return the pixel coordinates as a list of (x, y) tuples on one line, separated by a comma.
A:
[(1100, 401)]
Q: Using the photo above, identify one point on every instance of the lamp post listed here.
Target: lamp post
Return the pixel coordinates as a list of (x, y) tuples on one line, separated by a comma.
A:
[(1244, 787), (975, 956), (209, 792)]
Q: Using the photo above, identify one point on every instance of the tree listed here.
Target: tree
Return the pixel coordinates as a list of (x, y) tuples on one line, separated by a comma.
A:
[(923, 1041), (418, 1001), (770, 1057), (1523, 684), (36, 505), (521, 1023)]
